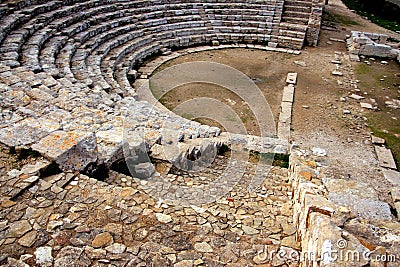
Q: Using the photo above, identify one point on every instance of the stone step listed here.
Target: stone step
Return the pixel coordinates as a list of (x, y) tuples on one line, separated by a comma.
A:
[(302, 21), (297, 8), (304, 3), (295, 14), (293, 34), (294, 43), (292, 27)]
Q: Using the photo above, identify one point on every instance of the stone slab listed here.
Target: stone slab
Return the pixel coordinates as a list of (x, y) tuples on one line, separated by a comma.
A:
[(109, 144), (385, 157), (286, 112), (396, 194), (291, 78), (27, 131), (377, 140), (288, 94), (360, 198), (356, 97), (70, 150), (392, 176), (283, 131), (366, 105)]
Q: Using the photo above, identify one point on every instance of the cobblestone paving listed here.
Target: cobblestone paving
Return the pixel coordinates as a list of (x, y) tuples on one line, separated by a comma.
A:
[(69, 218)]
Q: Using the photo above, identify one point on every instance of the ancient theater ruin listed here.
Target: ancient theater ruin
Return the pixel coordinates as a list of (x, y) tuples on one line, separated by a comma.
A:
[(193, 133)]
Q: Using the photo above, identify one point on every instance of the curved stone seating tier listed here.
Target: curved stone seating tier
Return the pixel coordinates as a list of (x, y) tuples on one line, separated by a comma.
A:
[(246, 11), (117, 31), (45, 26), (134, 55), (127, 47), (43, 14), (241, 30), (161, 34), (70, 62), (107, 24), (244, 19), (93, 61), (255, 19), (63, 60), (49, 52)]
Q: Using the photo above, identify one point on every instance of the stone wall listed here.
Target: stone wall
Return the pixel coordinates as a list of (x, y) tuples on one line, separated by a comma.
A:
[(371, 44), (322, 223), (314, 23)]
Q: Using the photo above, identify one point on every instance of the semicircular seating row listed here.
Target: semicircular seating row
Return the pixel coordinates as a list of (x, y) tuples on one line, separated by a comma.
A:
[(64, 64)]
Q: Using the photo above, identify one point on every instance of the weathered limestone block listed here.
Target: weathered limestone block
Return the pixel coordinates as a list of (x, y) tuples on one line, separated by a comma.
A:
[(70, 150), (396, 194), (27, 131), (360, 198), (288, 94), (385, 157), (36, 168), (370, 44), (144, 170), (109, 144), (392, 176), (283, 130), (291, 78), (319, 204), (286, 112), (332, 245)]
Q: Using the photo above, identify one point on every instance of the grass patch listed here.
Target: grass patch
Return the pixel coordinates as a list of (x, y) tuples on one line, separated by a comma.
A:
[(379, 20), (381, 123), (344, 20), (279, 160), (363, 69)]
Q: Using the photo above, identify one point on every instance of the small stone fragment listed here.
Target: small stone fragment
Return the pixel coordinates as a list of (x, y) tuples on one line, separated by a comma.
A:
[(366, 105), (28, 239), (19, 228), (102, 240), (249, 230), (164, 218), (43, 256), (184, 263), (116, 248), (300, 63), (356, 97), (320, 152), (203, 247), (377, 140), (337, 73)]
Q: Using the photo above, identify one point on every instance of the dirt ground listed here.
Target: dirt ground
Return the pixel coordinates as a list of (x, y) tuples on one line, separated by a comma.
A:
[(259, 65), (318, 115)]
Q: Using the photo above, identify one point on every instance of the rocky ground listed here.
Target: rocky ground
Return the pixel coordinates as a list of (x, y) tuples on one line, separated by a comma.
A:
[(88, 222)]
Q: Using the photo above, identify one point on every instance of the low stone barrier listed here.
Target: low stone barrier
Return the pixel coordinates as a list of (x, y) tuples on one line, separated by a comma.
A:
[(321, 219)]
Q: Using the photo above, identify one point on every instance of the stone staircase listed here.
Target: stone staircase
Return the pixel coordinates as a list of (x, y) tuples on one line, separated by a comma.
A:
[(293, 26)]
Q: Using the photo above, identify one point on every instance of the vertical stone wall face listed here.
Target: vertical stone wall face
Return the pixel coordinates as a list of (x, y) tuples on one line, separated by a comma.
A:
[(314, 23), (322, 223)]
